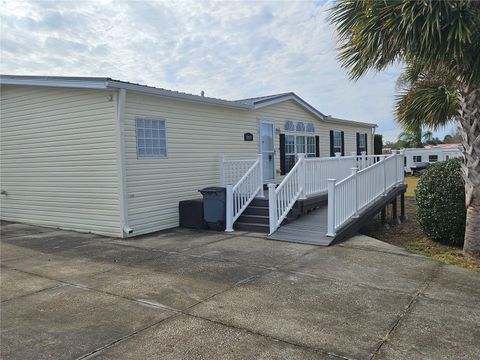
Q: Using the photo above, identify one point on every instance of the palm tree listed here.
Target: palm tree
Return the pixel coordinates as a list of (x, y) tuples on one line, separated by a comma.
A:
[(427, 136), (411, 138), (439, 43)]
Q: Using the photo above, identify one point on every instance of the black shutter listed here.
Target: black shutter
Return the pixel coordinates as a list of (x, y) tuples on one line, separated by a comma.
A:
[(343, 143), (282, 154), (317, 146), (332, 152), (366, 144), (358, 144)]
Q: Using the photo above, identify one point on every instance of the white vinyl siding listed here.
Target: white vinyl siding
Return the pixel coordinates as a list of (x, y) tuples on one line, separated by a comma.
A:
[(58, 158), (197, 135)]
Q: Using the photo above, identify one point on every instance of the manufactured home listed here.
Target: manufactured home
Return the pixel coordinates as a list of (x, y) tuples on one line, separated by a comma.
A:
[(430, 154), (115, 158)]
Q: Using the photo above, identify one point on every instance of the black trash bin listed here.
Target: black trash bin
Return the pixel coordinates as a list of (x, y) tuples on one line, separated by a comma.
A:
[(214, 207), (191, 214)]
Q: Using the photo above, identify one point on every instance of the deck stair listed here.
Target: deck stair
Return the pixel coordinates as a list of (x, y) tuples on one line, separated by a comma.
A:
[(255, 217)]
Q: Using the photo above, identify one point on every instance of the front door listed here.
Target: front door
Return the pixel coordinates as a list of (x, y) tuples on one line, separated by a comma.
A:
[(267, 132)]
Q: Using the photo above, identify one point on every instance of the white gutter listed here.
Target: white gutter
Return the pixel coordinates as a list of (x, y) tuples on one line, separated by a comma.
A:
[(75, 84), (121, 163)]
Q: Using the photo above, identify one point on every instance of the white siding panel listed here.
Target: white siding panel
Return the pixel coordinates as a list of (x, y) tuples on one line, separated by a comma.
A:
[(58, 159), (196, 137)]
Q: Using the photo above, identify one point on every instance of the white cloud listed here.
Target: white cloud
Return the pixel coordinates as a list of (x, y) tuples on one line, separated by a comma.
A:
[(231, 50)]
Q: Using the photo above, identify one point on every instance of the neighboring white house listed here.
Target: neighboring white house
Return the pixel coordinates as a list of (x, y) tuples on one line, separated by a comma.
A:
[(430, 154), (115, 158)]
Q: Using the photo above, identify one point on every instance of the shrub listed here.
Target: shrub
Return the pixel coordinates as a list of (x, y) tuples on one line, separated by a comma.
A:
[(378, 144), (440, 196)]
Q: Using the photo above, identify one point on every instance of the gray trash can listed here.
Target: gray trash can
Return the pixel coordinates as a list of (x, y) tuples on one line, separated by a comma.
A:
[(214, 206)]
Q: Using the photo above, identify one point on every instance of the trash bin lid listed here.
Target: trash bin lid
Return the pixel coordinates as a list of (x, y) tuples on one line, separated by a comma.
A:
[(212, 189)]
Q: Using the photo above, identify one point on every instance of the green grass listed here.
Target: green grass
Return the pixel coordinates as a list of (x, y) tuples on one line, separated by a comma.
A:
[(411, 182), (445, 254)]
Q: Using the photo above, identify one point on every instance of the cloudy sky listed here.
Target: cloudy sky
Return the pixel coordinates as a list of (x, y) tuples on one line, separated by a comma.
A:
[(230, 49)]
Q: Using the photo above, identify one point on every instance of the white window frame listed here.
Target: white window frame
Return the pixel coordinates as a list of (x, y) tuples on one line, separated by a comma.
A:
[(151, 156), (337, 148), (290, 154), (296, 146), (314, 152), (362, 138), (430, 160)]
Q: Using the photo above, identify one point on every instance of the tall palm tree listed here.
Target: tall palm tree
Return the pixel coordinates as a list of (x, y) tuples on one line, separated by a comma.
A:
[(439, 42)]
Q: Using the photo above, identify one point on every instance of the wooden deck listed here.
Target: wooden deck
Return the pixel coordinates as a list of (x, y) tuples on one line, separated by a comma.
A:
[(311, 228), (307, 229)]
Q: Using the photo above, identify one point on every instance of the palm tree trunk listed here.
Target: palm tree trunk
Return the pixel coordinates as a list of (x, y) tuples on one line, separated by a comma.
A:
[(470, 129)]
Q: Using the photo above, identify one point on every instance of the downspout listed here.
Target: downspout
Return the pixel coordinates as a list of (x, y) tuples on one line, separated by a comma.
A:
[(122, 173)]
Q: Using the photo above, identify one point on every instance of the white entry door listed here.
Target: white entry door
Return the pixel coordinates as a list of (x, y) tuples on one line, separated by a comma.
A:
[(267, 133)]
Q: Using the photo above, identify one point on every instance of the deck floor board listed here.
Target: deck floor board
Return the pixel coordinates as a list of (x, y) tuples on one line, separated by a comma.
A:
[(311, 228)]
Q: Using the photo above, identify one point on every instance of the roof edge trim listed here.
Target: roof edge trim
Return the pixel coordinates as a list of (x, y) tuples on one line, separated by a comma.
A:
[(291, 96), (75, 84), (112, 84)]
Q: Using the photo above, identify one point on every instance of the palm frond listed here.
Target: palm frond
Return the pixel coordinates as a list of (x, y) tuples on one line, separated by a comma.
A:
[(427, 103), (374, 34)]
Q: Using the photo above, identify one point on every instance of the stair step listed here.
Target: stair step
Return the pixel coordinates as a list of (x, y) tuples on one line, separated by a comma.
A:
[(243, 226), (259, 202), (254, 219), (256, 210)]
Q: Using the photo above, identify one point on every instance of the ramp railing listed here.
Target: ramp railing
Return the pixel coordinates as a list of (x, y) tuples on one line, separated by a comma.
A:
[(348, 197)]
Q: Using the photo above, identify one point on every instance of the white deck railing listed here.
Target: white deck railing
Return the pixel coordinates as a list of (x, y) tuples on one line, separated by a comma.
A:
[(348, 197), (282, 198), (240, 194), (308, 177), (363, 160), (231, 171), (319, 170)]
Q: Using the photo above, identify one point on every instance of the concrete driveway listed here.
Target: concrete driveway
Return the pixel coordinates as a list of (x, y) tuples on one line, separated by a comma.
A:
[(185, 294)]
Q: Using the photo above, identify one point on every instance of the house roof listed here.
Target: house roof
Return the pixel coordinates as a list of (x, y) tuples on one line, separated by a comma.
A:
[(262, 101), (109, 83)]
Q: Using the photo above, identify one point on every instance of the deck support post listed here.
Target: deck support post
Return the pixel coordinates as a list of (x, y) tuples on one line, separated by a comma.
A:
[(384, 177), (331, 208), (261, 193), (383, 215), (272, 208), (401, 168), (354, 172), (302, 178), (364, 160), (402, 207), (394, 211), (222, 171), (229, 210)]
